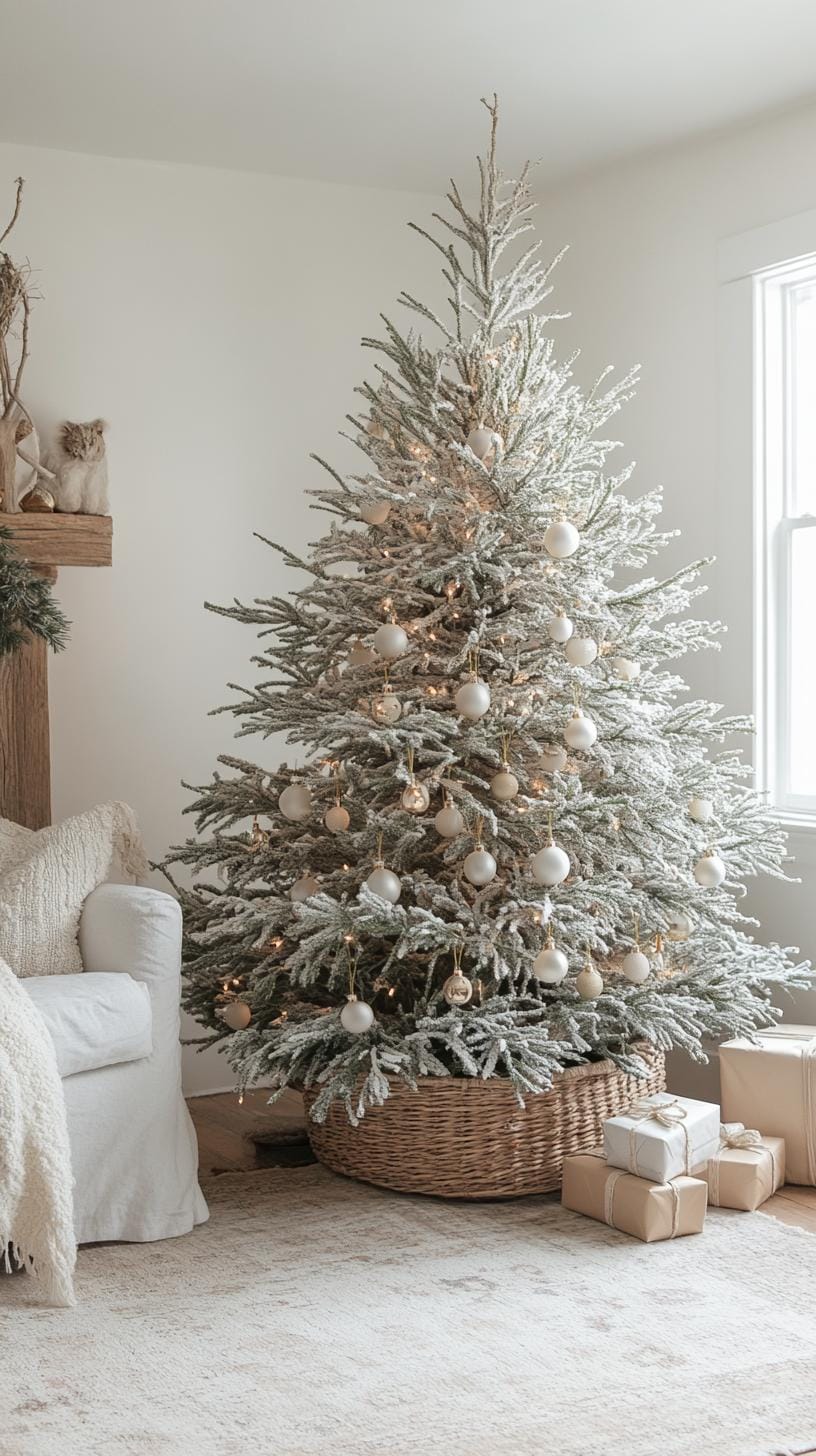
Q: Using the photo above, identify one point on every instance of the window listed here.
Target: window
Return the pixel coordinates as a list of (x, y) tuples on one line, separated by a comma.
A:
[(784, 299)]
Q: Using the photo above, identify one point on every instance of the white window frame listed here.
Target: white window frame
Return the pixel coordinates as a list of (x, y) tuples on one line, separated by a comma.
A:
[(758, 271)]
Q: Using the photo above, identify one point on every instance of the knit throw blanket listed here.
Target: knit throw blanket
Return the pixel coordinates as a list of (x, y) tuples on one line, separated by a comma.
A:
[(36, 1183)]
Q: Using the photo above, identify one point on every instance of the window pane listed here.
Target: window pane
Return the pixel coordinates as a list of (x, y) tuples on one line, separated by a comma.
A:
[(802, 705), (803, 396)]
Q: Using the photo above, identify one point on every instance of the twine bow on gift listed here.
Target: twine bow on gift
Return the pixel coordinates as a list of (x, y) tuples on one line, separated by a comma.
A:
[(668, 1114), (735, 1135)]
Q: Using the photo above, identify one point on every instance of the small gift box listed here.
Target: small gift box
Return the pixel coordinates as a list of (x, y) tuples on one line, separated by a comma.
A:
[(646, 1210), (770, 1084), (746, 1170), (662, 1136)]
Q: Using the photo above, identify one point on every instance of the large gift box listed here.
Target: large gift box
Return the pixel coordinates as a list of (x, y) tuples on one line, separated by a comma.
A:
[(662, 1136), (747, 1169), (636, 1206), (770, 1084)]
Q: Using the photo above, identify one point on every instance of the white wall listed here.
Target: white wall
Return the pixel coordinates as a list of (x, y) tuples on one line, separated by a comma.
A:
[(641, 279), (214, 319)]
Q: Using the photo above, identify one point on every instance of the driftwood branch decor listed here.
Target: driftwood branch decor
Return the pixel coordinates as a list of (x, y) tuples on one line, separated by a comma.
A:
[(16, 424)]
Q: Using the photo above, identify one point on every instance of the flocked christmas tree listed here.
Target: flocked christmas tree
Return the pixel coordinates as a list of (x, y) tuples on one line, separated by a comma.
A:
[(512, 843)]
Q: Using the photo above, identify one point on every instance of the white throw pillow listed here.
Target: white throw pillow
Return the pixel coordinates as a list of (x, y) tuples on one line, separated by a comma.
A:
[(45, 877)]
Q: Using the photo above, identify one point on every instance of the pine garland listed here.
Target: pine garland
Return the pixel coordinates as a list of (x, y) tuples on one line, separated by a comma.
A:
[(28, 607), (456, 553)]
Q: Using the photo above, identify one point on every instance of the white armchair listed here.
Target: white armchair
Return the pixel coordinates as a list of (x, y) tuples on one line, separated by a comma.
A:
[(116, 1032)]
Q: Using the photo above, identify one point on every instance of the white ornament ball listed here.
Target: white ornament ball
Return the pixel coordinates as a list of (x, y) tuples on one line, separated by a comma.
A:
[(550, 866), (553, 759), (449, 821), (375, 513), (356, 1016), (337, 819), (457, 990), (635, 967), (236, 1015), (581, 651), (390, 640), (479, 867), (386, 708), (504, 786), (709, 871), (384, 883), (360, 655), (561, 539), (303, 888), (680, 927), (589, 983), (625, 668), (550, 965), (415, 797), (295, 802), (700, 810), (559, 628), (473, 699), (580, 731), (484, 442)]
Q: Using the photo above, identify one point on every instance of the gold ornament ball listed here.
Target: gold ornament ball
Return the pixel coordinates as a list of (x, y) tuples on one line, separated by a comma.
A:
[(236, 1015), (375, 513), (295, 803), (304, 888), (457, 990), (337, 819)]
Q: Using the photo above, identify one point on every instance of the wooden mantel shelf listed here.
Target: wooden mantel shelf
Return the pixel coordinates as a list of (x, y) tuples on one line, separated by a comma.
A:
[(57, 539), (48, 541)]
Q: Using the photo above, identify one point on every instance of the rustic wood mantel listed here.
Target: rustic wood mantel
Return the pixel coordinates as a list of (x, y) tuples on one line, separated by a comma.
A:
[(48, 542)]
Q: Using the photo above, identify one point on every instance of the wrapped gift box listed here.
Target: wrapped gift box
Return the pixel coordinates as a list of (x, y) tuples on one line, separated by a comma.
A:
[(662, 1136), (747, 1169), (637, 1206), (770, 1084)]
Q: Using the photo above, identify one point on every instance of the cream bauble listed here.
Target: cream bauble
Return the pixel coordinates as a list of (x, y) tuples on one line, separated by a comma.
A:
[(700, 810), (375, 513), (635, 967), (680, 927), (559, 628), (581, 651), (415, 797), (295, 803), (337, 819), (390, 640), (550, 965), (473, 699), (479, 867), (504, 785), (709, 870), (384, 883), (553, 759), (304, 888), (561, 539), (457, 990), (580, 732), (589, 983), (236, 1015), (625, 668), (449, 821), (550, 866), (356, 1016), (386, 707), (360, 655), (484, 443)]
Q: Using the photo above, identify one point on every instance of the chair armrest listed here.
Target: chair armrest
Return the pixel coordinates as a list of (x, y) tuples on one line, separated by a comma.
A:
[(132, 929)]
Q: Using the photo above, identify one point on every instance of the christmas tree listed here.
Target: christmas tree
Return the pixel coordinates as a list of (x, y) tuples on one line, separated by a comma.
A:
[(510, 842)]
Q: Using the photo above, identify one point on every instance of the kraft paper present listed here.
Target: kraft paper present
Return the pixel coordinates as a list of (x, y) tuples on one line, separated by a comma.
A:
[(662, 1136), (771, 1085), (746, 1171), (646, 1210)]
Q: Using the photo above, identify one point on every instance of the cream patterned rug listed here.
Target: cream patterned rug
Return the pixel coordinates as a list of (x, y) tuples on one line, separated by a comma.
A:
[(317, 1317)]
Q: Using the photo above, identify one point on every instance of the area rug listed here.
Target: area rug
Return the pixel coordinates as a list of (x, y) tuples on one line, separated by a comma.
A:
[(318, 1317)]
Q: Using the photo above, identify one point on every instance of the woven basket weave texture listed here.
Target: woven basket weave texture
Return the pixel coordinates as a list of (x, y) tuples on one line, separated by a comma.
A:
[(461, 1137)]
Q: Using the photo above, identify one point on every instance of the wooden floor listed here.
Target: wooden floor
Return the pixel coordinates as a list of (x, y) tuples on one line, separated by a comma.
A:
[(223, 1126)]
